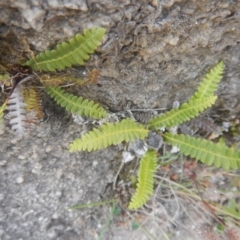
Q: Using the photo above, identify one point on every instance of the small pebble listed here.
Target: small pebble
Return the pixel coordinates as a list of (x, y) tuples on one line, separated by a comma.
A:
[(127, 156), (95, 163), (48, 149), (2, 196), (19, 180), (35, 156), (21, 157), (3, 162)]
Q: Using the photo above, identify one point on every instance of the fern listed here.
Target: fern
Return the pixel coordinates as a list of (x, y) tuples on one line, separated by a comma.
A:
[(76, 104), (148, 166), (126, 130), (202, 99), (32, 99), (66, 54), (2, 109), (17, 112), (210, 82), (185, 112), (216, 154)]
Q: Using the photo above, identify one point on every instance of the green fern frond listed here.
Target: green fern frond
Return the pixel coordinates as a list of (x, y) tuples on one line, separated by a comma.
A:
[(210, 82), (148, 166), (66, 54), (216, 154), (184, 113), (76, 104), (111, 133)]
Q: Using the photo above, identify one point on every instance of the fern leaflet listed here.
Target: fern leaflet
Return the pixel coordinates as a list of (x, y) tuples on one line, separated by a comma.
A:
[(148, 166), (185, 112), (216, 154), (111, 133), (66, 54), (76, 104), (2, 108), (210, 82)]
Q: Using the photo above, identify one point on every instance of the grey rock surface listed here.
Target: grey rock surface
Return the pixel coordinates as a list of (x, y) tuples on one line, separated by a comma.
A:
[(40, 180), (154, 53)]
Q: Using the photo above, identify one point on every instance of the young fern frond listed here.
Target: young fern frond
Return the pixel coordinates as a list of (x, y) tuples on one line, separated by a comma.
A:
[(33, 101), (148, 166), (66, 54), (76, 104), (2, 109), (216, 154), (185, 112), (210, 82), (111, 133)]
